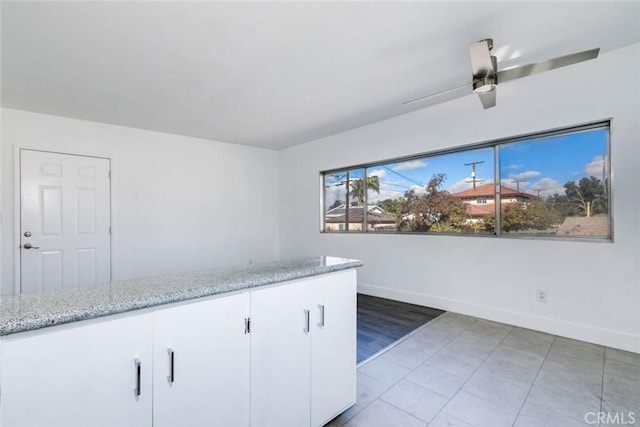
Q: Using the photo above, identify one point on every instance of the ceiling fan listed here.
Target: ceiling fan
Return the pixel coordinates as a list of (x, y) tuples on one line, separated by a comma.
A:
[(486, 76)]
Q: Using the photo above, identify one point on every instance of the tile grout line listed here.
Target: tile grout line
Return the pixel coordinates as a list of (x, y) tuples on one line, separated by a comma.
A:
[(534, 381), (406, 337), (468, 377), (389, 347), (411, 371), (473, 373), (604, 360)]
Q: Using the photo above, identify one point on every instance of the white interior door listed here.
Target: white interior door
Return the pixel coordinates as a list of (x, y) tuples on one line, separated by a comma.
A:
[(64, 221)]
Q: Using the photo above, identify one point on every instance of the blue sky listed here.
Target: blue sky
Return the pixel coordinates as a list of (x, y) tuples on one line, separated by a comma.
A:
[(544, 165)]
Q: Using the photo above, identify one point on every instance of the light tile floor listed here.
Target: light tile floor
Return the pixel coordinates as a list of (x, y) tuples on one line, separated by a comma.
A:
[(460, 371)]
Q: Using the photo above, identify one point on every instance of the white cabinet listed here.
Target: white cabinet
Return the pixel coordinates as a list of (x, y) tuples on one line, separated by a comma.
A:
[(82, 374), (280, 355), (303, 351), (192, 364), (201, 363), (333, 347)]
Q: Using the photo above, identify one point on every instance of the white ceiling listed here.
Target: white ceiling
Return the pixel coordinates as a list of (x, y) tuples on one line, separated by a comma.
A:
[(274, 74)]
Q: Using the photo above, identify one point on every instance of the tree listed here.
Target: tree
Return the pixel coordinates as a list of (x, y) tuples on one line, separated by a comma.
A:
[(588, 195), (357, 188), (535, 215), (518, 216), (436, 211), (561, 204)]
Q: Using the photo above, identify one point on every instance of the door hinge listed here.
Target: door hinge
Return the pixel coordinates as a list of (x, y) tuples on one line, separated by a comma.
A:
[(109, 230), (247, 325), (109, 173)]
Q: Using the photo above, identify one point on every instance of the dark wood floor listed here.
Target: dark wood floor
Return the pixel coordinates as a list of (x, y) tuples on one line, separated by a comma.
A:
[(383, 321)]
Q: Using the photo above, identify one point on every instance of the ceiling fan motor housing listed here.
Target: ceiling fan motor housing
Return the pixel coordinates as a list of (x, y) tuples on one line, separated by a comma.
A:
[(485, 75), (484, 84), (488, 82)]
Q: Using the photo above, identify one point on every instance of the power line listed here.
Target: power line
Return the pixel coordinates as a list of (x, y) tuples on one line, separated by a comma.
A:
[(402, 176)]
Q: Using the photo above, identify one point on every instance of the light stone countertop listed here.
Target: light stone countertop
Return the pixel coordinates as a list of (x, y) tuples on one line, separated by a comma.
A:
[(34, 311)]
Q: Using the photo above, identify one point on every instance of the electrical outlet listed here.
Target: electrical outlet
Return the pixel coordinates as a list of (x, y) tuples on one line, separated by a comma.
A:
[(541, 295)]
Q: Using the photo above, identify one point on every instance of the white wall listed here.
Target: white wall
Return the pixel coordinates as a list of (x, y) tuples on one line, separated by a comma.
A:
[(180, 204), (593, 287)]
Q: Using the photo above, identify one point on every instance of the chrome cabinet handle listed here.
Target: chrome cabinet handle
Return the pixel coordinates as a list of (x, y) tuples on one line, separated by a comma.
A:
[(137, 364), (30, 246), (170, 377), (306, 321), (321, 322)]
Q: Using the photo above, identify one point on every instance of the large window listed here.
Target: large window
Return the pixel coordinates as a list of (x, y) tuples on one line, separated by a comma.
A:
[(554, 184)]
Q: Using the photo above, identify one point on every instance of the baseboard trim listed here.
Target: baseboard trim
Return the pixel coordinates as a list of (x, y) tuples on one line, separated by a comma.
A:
[(606, 337)]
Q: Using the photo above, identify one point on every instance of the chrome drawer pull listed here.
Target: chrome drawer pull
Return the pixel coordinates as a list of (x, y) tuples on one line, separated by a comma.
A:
[(321, 322), (138, 371), (170, 377), (306, 321)]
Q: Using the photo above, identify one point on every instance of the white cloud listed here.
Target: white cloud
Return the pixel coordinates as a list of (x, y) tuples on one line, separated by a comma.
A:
[(466, 184), (547, 187), (333, 193), (410, 165), (418, 190), (380, 173), (510, 183), (461, 185), (511, 167), (525, 175), (595, 167), (385, 193)]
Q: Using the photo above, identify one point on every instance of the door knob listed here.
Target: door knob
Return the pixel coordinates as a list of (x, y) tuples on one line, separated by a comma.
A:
[(30, 246)]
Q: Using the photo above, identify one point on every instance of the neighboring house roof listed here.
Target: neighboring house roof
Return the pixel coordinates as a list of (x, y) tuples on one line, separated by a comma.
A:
[(488, 191), (341, 210), (356, 217), (585, 226)]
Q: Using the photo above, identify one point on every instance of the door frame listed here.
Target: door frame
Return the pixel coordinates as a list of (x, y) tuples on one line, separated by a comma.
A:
[(17, 205)]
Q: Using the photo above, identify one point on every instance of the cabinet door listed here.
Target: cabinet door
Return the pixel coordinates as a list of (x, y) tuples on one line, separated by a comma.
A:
[(208, 384), (280, 356), (333, 341), (81, 375)]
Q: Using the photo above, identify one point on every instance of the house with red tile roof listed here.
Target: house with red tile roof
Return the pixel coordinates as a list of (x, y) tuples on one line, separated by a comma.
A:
[(480, 200)]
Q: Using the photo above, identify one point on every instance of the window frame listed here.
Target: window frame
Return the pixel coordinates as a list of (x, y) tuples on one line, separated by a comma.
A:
[(495, 144)]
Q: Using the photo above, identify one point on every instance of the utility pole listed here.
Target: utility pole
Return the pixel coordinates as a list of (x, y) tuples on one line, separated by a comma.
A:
[(517, 184), (473, 172)]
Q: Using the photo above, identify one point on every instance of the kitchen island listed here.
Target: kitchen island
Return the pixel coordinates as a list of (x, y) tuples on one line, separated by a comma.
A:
[(266, 344)]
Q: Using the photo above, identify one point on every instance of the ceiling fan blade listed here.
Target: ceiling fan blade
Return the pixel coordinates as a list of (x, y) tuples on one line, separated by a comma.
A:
[(488, 99), (481, 63), (539, 67), (442, 92)]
